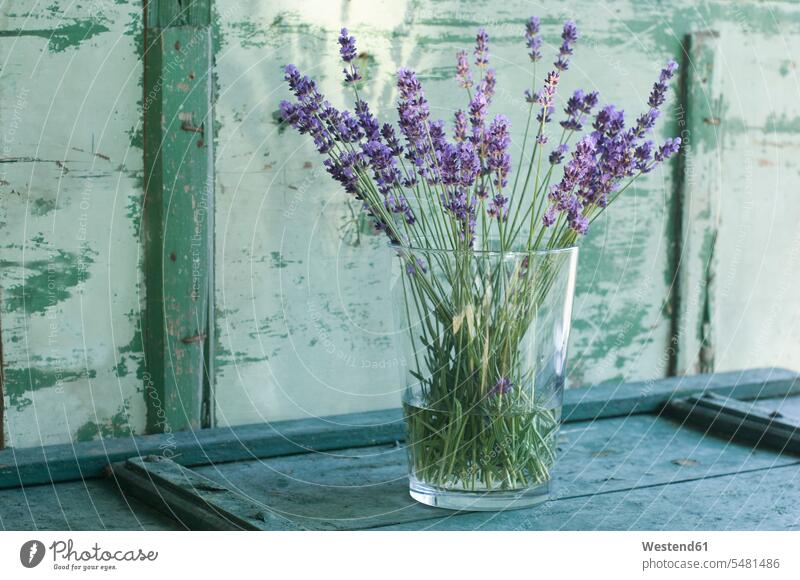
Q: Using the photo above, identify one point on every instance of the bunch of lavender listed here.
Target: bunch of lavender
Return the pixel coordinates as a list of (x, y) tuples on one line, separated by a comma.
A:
[(432, 190)]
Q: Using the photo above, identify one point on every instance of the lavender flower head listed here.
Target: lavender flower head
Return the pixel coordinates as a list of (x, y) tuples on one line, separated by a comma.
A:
[(463, 74), (470, 170), (499, 161), (569, 37), (532, 39), (502, 387), (347, 50), (482, 49)]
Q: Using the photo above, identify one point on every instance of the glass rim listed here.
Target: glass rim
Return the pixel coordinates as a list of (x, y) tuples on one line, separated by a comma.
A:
[(547, 252)]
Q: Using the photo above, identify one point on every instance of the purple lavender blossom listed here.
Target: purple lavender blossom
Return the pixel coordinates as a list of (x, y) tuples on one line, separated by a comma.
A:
[(659, 92), (498, 141), (413, 113), (348, 46), (579, 105), (502, 387), (557, 155), (463, 210), (668, 149), (643, 154), (548, 93), (498, 208), (388, 134), (460, 129), (488, 84), (482, 48), (532, 38), (568, 36), (348, 53), (568, 196), (463, 74), (477, 116), (417, 266)]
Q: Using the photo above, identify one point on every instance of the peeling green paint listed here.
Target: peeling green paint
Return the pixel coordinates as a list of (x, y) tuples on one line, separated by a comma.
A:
[(20, 382), (64, 37), (46, 283), (117, 425)]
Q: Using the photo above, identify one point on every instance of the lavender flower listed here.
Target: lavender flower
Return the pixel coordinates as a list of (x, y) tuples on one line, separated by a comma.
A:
[(578, 106), (482, 49), (460, 130), (365, 156), (477, 116), (413, 112), (569, 195), (348, 46), (348, 53), (668, 149), (569, 36), (532, 38), (658, 94), (547, 94), (502, 387), (557, 155), (488, 84), (498, 208), (498, 141), (463, 73), (412, 268)]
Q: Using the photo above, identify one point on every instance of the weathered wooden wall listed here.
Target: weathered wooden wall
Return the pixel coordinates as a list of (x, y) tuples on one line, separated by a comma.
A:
[(303, 310), (71, 192)]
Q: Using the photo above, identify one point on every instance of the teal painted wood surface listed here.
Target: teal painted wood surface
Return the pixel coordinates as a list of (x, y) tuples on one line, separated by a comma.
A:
[(367, 487), (178, 209), (697, 201), (194, 501), (80, 505), (759, 501), (74, 461)]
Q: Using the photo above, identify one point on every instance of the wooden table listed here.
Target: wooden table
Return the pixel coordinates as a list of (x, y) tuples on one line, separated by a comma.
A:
[(625, 463)]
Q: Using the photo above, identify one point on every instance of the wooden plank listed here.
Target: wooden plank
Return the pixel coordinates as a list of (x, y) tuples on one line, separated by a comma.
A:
[(73, 461), (737, 421), (164, 13), (697, 199), (83, 460), (765, 499), (368, 487), (81, 505), (650, 396), (178, 210), (194, 501)]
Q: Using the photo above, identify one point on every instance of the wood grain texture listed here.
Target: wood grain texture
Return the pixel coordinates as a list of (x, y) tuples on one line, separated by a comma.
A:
[(697, 204), (368, 487), (765, 499), (165, 13), (178, 157), (73, 461), (80, 505), (70, 212), (194, 501)]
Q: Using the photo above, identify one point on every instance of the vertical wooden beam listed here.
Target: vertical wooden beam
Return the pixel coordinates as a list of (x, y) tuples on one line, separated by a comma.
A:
[(178, 212), (697, 204)]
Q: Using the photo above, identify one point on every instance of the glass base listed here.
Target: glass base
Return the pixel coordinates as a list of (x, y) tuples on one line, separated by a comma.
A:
[(478, 501)]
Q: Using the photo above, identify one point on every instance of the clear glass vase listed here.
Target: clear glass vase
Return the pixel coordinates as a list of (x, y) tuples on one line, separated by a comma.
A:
[(485, 338)]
